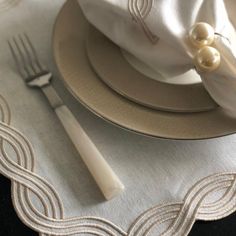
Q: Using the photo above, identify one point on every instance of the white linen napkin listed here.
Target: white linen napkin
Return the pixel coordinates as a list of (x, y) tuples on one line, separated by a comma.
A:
[(156, 32)]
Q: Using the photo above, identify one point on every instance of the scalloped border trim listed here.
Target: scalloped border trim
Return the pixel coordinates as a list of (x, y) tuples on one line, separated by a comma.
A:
[(177, 218)]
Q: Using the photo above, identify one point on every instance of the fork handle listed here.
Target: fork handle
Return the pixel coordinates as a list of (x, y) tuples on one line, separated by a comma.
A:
[(104, 176), (106, 179)]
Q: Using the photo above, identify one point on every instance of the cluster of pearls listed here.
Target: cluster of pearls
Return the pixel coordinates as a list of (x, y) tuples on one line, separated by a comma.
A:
[(207, 58)]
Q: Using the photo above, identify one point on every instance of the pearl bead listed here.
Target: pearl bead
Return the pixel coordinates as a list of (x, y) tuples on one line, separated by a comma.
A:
[(207, 59), (201, 34)]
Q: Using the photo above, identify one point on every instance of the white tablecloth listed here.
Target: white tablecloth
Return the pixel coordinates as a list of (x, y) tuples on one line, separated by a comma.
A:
[(154, 171)]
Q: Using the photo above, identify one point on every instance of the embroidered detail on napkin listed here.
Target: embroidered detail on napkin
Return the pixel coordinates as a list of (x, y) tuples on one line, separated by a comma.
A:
[(139, 10)]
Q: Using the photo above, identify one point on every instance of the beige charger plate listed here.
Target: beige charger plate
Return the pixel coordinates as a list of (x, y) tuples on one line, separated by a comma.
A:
[(70, 54)]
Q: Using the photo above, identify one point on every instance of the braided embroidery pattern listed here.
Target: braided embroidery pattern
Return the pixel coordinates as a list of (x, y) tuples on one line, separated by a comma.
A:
[(166, 219)]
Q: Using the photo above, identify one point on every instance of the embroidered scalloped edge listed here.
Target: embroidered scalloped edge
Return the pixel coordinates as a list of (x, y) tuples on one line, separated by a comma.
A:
[(176, 218)]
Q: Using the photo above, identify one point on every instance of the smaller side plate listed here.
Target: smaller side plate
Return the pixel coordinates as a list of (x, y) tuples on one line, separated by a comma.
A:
[(109, 63)]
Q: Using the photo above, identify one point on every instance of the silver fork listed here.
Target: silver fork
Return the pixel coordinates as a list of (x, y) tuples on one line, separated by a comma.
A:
[(36, 75)]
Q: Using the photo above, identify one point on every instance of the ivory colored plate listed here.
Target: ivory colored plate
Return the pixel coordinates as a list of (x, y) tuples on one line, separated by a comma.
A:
[(112, 67), (69, 40)]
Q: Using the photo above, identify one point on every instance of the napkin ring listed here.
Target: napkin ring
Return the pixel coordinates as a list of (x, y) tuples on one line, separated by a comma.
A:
[(207, 58)]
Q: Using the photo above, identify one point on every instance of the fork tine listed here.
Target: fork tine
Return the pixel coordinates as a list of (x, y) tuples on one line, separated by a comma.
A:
[(33, 50), (22, 57), (25, 57), (17, 60), (30, 60)]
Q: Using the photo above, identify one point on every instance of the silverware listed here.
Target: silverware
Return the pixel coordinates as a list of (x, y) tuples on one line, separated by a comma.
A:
[(37, 75)]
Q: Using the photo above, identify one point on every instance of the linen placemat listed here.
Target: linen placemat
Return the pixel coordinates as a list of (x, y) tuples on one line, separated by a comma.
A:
[(169, 184)]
